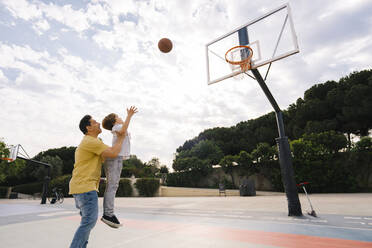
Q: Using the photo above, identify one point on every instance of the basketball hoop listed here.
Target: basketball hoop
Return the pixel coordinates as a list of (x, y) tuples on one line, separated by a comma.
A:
[(7, 159), (13, 153), (240, 55)]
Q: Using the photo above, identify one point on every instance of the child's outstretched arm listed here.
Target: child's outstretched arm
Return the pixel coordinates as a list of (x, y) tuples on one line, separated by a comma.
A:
[(130, 112)]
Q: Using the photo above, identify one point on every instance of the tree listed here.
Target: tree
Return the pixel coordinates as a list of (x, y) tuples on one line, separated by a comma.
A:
[(304, 150), (164, 169), (263, 153), (56, 164), (330, 141), (154, 162), (151, 168), (192, 164), (66, 154), (207, 150), (10, 173), (200, 158), (227, 163), (320, 91), (245, 160), (132, 166), (363, 145), (357, 110)]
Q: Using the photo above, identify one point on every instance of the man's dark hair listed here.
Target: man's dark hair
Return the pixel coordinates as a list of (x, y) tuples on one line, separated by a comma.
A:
[(84, 123)]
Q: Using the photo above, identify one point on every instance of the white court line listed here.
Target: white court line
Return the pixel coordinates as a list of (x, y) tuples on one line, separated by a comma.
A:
[(353, 218), (235, 216), (356, 222), (200, 211), (320, 221), (57, 213), (200, 214)]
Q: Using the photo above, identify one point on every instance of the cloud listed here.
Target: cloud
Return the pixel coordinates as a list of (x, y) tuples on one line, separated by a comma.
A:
[(3, 79), (41, 26), (22, 9)]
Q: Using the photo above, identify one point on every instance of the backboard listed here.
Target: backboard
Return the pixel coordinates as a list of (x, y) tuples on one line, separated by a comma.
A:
[(13, 152), (271, 37)]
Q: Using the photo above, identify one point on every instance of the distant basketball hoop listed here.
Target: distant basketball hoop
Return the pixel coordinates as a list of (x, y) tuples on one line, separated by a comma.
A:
[(13, 152), (16, 150)]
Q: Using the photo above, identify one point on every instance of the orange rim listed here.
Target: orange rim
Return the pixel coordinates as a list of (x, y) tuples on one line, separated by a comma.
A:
[(244, 64), (8, 159)]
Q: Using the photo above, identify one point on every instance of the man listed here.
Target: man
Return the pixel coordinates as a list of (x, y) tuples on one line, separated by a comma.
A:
[(86, 175)]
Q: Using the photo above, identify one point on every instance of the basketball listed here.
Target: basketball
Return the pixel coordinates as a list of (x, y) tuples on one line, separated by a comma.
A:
[(165, 45)]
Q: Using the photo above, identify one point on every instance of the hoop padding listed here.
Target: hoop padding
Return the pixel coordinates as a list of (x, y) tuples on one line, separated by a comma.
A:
[(245, 62)]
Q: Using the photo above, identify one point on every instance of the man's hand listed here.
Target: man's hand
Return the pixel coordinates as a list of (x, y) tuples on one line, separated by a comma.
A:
[(113, 152), (131, 111)]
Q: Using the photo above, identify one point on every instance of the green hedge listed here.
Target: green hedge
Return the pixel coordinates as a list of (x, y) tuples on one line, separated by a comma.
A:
[(192, 179), (337, 174), (3, 191), (147, 186), (32, 188), (29, 189), (61, 182), (124, 189)]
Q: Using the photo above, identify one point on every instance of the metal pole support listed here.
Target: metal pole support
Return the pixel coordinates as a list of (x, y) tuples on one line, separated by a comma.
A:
[(46, 179), (286, 168), (285, 159), (45, 187)]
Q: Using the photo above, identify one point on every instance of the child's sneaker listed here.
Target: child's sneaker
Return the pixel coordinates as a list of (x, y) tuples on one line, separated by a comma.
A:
[(111, 221)]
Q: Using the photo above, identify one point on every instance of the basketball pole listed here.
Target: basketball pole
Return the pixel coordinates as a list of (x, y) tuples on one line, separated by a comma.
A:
[(46, 178), (285, 158)]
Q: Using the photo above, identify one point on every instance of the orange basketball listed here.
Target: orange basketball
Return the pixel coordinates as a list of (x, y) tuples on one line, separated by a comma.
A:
[(165, 45)]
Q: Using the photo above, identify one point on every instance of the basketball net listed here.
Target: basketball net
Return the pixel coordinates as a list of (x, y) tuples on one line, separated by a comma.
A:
[(239, 58)]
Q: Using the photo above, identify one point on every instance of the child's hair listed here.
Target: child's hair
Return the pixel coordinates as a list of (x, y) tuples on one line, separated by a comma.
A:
[(109, 121)]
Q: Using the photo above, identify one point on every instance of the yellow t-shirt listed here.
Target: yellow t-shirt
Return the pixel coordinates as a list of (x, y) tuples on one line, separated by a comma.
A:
[(87, 168)]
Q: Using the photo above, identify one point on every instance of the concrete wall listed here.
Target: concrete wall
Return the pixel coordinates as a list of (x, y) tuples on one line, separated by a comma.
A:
[(261, 183), (192, 192)]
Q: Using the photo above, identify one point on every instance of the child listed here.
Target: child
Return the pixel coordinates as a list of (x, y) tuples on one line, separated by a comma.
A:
[(114, 166)]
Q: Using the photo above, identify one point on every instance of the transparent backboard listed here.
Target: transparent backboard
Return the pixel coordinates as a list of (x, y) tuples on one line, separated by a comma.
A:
[(271, 37), (13, 152)]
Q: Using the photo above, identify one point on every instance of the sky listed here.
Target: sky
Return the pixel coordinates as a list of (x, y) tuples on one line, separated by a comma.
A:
[(61, 60)]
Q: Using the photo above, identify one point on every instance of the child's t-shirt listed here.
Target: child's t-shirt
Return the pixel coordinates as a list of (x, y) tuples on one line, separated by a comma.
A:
[(125, 148)]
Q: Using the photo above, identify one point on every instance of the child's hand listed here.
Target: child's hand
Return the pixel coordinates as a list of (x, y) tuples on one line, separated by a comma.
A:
[(131, 111)]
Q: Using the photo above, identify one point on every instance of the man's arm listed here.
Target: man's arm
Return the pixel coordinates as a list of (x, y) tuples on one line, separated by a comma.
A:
[(113, 152), (130, 112)]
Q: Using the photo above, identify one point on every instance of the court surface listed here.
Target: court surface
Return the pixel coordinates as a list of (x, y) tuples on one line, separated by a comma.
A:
[(345, 220)]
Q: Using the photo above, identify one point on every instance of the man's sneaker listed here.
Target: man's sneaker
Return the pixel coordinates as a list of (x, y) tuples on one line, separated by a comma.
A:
[(111, 221)]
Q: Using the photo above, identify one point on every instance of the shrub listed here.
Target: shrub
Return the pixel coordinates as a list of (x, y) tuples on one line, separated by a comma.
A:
[(3, 191), (193, 178), (30, 188), (61, 182), (147, 186), (124, 189)]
